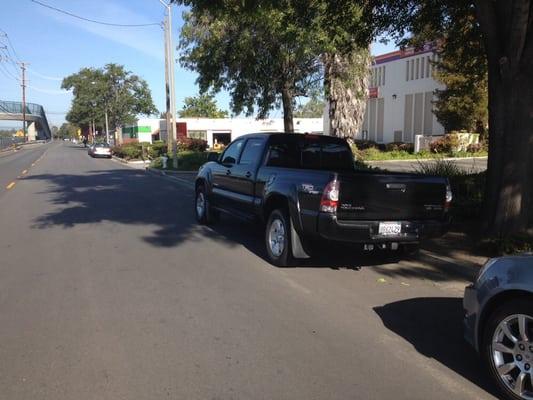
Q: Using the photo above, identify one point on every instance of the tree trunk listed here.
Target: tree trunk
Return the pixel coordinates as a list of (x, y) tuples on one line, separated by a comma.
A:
[(287, 100), (346, 82), (508, 36)]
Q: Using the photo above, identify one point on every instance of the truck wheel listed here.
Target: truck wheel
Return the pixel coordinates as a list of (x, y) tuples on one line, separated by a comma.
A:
[(204, 213), (507, 348), (278, 238)]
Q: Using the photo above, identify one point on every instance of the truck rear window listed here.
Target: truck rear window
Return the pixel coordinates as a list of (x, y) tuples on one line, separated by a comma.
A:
[(316, 152)]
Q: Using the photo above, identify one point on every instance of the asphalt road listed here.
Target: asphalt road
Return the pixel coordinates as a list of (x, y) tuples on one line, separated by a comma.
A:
[(110, 290), (15, 164), (473, 165)]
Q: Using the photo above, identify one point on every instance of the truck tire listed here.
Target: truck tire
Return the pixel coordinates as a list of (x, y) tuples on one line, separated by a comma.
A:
[(510, 362), (205, 215), (278, 238)]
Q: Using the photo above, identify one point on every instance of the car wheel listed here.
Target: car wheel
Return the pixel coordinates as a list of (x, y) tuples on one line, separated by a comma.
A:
[(507, 348), (278, 239), (204, 213)]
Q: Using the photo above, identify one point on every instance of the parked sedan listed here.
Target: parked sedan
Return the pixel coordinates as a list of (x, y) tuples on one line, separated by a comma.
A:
[(99, 150), (499, 322)]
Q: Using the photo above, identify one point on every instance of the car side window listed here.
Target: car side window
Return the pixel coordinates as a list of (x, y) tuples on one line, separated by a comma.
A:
[(252, 152), (231, 155)]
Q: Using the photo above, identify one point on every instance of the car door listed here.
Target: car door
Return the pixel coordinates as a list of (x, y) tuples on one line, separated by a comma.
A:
[(241, 182), (222, 193)]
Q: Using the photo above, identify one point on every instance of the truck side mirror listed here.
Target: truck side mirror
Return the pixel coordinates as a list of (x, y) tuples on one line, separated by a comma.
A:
[(213, 156)]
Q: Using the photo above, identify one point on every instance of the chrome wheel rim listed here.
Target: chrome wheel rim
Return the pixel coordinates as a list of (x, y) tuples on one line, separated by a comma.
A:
[(200, 204), (512, 354), (276, 237)]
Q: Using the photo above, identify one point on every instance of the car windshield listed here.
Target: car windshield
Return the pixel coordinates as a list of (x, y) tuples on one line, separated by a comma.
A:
[(101, 145)]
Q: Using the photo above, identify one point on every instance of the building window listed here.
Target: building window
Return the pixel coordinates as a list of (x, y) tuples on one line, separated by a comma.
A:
[(412, 69), (197, 134), (422, 59), (417, 68), (428, 66), (407, 70), (384, 69)]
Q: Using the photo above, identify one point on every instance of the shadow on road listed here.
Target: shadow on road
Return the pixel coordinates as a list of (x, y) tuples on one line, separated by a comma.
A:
[(433, 325), (125, 196), (129, 196)]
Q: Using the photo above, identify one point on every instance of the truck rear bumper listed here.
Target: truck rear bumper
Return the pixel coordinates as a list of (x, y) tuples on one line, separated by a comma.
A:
[(367, 231)]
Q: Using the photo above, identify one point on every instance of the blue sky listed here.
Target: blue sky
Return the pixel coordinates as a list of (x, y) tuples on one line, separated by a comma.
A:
[(57, 45)]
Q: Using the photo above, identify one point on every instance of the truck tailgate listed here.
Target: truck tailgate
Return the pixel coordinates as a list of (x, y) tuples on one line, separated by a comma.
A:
[(390, 197)]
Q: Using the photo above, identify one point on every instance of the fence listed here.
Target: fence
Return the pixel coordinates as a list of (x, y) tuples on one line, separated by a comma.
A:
[(6, 142)]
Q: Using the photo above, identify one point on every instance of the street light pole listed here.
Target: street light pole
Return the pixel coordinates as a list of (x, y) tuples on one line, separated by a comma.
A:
[(170, 88), (106, 127)]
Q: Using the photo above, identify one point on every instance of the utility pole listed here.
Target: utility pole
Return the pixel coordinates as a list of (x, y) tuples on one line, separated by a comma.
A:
[(23, 66), (106, 127), (170, 88)]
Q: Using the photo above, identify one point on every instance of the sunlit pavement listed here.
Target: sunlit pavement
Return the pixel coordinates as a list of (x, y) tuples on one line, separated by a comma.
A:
[(110, 290)]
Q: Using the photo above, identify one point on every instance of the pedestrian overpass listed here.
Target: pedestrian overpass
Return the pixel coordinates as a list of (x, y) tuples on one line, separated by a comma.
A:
[(37, 124)]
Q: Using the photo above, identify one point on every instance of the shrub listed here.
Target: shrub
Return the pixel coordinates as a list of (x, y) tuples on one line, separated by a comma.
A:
[(189, 144), (129, 151), (400, 146), (365, 144), (191, 160), (474, 148), (157, 149)]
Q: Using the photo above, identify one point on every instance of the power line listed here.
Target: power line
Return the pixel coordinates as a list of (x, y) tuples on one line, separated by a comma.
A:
[(51, 78), (92, 20), (10, 45)]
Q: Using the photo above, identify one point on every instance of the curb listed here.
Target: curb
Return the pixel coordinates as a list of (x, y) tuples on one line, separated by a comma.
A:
[(464, 269), (163, 174), (123, 161), (428, 159)]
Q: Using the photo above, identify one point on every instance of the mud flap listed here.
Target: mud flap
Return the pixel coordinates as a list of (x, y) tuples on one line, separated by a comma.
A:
[(297, 247)]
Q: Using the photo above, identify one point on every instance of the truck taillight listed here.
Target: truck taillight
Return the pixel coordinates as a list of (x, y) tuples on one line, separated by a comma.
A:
[(449, 196), (330, 197)]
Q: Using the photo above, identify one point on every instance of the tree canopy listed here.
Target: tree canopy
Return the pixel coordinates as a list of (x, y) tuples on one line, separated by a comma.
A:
[(201, 106), (496, 37), (261, 58), (112, 88), (313, 108)]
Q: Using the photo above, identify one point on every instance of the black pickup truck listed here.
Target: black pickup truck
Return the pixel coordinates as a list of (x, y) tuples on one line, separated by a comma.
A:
[(305, 188)]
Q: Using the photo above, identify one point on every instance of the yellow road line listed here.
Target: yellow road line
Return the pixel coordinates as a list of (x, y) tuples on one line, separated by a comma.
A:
[(10, 186)]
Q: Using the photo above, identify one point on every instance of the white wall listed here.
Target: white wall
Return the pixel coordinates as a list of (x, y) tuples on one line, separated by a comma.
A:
[(242, 126)]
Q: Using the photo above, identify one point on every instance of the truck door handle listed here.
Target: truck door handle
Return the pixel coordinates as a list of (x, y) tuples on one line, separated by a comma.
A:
[(248, 174), (228, 172)]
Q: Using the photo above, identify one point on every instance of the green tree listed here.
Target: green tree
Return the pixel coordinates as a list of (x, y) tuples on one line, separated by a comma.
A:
[(275, 50), (313, 108), (112, 88), (498, 34), (259, 55), (463, 103), (68, 130), (201, 106)]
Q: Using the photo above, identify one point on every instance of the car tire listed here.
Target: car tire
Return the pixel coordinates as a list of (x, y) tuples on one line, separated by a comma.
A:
[(509, 313), (204, 214), (278, 238)]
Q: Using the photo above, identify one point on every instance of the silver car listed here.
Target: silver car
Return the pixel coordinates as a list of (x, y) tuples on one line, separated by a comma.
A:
[(499, 322), (99, 150)]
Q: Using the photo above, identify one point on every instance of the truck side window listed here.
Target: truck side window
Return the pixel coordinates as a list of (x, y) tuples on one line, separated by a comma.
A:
[(231, 154), (283, 155), (311, 155), (252, 152)]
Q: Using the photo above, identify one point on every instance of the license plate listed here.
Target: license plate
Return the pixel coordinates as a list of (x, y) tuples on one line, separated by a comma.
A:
[(389, 228)]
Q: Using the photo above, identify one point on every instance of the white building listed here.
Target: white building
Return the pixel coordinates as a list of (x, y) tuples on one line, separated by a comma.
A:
[(221, 130), (401, 93)]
